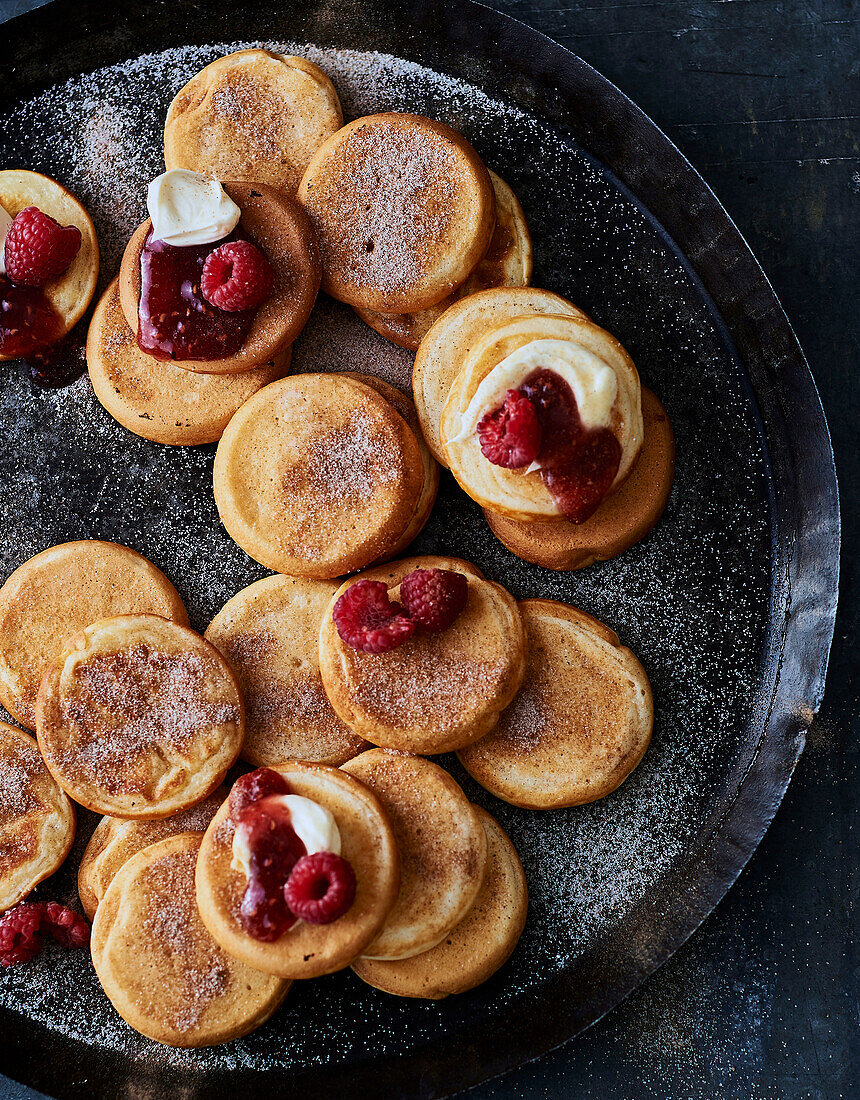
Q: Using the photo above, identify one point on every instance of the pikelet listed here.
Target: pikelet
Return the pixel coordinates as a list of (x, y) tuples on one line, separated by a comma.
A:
[(581, 723), (58, 593), (436, 692), (253, 115), (37, 820), (317, 475), (403, 208), (481, 943), (307, 950), (71, 293), (281, 230), (115, 841), (444, 349), (156, 399), (507, 262), (442, 844), (158, 965), (269, 632), (138, 717)]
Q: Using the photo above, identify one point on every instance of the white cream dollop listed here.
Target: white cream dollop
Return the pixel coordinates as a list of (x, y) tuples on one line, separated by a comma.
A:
[(314, 825), (6, 220), (188, 208)]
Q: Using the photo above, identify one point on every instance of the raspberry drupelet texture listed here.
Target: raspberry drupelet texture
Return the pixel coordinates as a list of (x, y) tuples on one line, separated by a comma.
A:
[(38, 249), (434, 598), (321, 888), (236, 276), (24, 928), (510, 436), (367, 620)]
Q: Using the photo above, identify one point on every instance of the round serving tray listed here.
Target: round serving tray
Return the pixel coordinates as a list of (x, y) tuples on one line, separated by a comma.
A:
[(729, 603)]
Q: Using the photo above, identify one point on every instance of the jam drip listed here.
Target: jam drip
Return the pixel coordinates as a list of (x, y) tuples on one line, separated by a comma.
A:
[(28, 321), (175, 320), (274, 849)]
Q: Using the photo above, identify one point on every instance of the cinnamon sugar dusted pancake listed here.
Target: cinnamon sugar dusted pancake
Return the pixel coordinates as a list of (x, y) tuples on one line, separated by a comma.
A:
[(37, 821), (115, 841), (252, 115), (281, 230), (581, 723), (71, 292), (159, 400), (60, 591), (317, 475), (622, 519), (442, 844), (269, 632), (436, 692), (480, 944), (507, 262), (160, 968), (444, 349), (138, 717), (307, 950), (403, 208)]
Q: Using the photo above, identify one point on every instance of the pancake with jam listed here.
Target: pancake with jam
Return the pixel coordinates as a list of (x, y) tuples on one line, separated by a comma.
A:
[(138, 717), (403, 208), (211, 340), (507, 262), (252, 115)]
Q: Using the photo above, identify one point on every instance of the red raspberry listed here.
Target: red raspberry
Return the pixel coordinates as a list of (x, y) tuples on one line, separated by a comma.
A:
[(38, 248), (510, 436), (67, 928), (434, 597), (254, 786), (236, 276), (367, 620), (320, 888), (20, 937)]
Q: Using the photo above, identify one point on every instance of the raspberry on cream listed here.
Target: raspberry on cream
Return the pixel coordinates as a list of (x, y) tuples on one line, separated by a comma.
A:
[(313, 824), (187, 208)]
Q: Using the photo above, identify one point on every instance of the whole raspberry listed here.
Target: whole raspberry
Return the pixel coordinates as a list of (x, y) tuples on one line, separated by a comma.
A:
[(236, 276), (254, 786), (38, 248), (434, 597), (20, 937), (64, 924), (320, 888), (367, 620), (510, 436)]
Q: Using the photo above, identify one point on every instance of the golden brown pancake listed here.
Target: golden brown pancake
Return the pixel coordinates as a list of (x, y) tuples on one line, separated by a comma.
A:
[(281, 230), (403, 208), (252, 115), (37, 821), (138, 717), (59, 592), (442, 845), (269, 632), (160, 968), (581, 722), (481, 943)]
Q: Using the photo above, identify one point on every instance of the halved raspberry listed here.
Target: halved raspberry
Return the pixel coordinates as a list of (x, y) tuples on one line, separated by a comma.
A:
[(236, 276), (434, 597), (367, 620), (254, 786), (38, 248), (65, 925), (510, 436), (20, 937), (320, 888)]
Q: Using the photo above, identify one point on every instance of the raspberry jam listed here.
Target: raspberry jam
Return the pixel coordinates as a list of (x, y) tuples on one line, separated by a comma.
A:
[(175, 320), (28, 321), (274, 849)]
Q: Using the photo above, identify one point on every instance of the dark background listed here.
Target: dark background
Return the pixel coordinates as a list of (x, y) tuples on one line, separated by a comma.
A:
[(762, 1003)]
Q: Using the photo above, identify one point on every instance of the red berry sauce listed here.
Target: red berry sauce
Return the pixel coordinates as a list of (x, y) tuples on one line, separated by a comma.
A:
[(275, 848), (28, 321)]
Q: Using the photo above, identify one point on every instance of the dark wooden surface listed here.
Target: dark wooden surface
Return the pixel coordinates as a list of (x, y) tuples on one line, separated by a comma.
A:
[(762, 1003)]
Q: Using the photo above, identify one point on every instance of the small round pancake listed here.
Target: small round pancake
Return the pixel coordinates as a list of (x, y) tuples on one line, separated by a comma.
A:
[(252, 115), (442, 845), (436, 692), (269, 632), (307, 950), (138, 717), (623, 518), (37, 821), (58, 593), (281, 230), (403, 208), (160, 968), (115, 841), (481, 943), (581, 722), (515, 493), (70, 293), (446, 346), (317, 475), (156, 399), (507, 262)]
